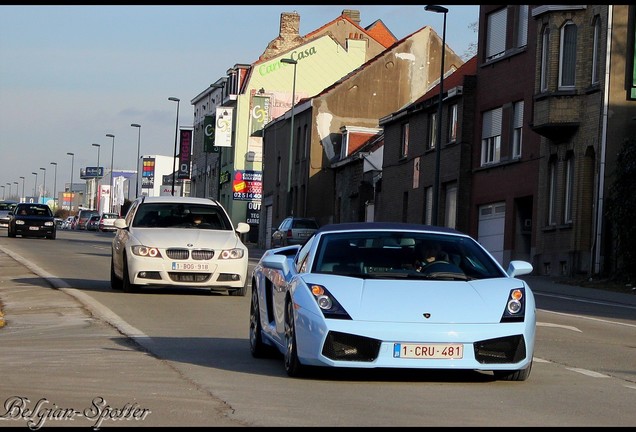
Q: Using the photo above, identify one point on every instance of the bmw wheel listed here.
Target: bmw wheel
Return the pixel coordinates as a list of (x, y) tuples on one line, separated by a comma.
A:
[(127, 286), (115, 282), (292, 364)]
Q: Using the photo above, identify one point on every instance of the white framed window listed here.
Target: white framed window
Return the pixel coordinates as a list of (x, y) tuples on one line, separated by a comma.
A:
[(569, 188), (452, 123), (433, 129), (496, 23), (552, 167), (522, 26), (405, 140), (545, 56), (517, 128), (596, 48), (491, 137), (567, 56)]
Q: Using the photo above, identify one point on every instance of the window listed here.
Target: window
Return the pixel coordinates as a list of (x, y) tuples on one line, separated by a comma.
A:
[(452, 124), (305, 143), (552, 167), (428, 205), (517, 127), (496, 34), (569, 186), (450, 212), (545, 55), (432, 122), (491, 137), (522, 26), (596, 50), (567, 56), (405, 140)]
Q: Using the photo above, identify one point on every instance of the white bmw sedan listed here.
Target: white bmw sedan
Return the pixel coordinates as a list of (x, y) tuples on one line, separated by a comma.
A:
[(179, 241)]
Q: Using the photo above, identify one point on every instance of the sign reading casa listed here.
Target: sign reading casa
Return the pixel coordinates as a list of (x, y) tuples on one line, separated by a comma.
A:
[(268, 68)]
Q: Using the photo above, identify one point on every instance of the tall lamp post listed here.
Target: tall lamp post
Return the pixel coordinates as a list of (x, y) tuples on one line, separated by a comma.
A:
[(3, 190), (22, 197), (138, 126), (70, 187), (44, 186), (112, 158), (438, 143), (290, 209), (54, 185), (176, 133), (16, 188), (10, 191), (35, 186), (96, 179)]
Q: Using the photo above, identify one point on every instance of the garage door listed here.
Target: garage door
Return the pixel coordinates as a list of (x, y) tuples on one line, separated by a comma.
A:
[(492, 219)]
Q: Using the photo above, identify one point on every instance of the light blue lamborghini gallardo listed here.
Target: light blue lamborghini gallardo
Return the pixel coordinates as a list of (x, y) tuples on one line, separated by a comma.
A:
[(392, 295)]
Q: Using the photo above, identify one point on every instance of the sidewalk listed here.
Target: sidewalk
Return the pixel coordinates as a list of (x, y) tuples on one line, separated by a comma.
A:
[(62, 366)]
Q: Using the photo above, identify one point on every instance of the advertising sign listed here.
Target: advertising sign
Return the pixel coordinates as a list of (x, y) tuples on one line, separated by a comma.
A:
[(223, 130), (185, 136), (148, 173), (247, 185)]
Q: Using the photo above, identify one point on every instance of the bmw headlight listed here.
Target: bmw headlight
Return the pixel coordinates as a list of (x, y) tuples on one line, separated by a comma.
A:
[(146, 251), (235, 253)]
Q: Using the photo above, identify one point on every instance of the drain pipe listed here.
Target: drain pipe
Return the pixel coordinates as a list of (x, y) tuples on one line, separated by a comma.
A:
[(596, 244)]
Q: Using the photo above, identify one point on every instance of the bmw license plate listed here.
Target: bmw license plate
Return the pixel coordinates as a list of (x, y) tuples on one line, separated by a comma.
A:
[(428, 351), (190, 266)]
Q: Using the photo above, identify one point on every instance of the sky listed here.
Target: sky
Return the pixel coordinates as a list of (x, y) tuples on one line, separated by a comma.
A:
[(69, 75)]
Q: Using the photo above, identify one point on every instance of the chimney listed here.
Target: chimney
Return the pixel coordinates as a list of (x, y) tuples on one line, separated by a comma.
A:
[(353, 14), (289, 24)]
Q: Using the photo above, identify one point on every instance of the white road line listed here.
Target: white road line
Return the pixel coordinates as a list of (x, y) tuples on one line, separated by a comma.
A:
[(588, 373)]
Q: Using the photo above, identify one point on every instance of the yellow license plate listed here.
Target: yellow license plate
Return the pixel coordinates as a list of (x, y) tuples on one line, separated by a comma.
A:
[(428, 351)]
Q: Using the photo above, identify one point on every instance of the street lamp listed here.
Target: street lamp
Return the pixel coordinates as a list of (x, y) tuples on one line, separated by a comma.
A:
[(438, 143), (291, 137), (176, 133), (16, 188), (44, 186), (112, 157), (35, 186), (22, 197), (96, 180), (70, 188), (54, 185), (138, 126), (10, 192), (3, 190)]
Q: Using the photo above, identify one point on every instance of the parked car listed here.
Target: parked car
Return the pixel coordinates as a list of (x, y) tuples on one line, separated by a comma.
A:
[(107, 222), (5, 208), (83, 216), (293, 231), (93, 223), (68, 223), (159, 244), (353, 296), (32, 220)]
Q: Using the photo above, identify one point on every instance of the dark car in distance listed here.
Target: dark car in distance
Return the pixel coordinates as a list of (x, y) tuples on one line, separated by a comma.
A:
[(32, 220), (293, 231), (83, 217)]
